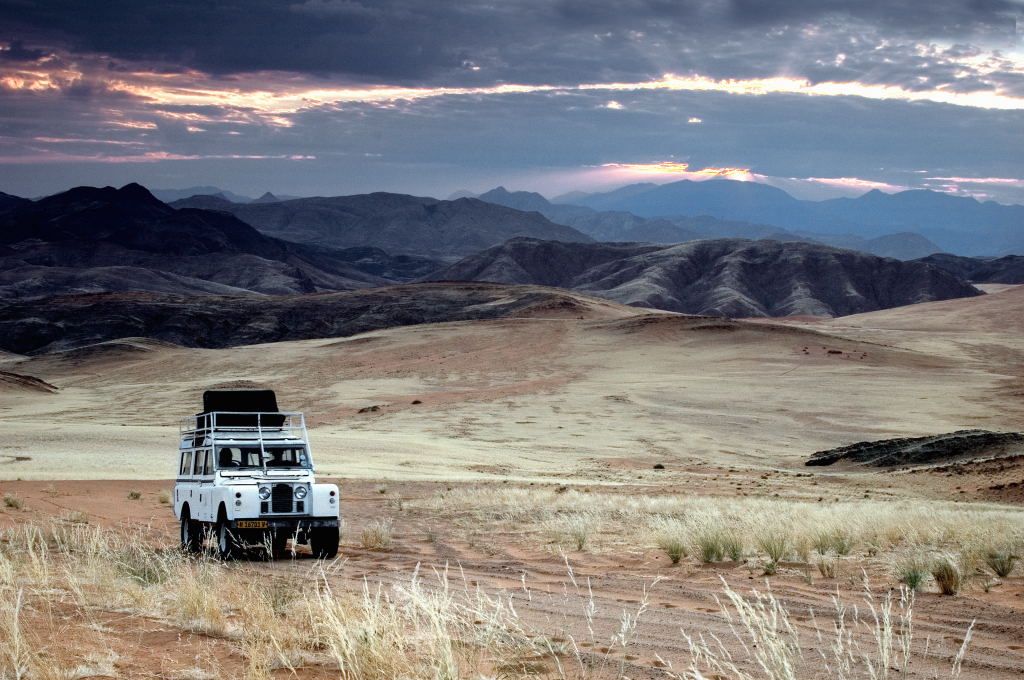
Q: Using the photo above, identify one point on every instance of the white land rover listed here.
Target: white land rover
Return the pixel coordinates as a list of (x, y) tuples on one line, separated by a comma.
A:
[(245, 478)]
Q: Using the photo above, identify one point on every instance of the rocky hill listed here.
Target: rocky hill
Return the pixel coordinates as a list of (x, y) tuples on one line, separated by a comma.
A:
[(9, 202), (90, 239), (394, 222), (72, 321), (1007, 269), (728, 277)]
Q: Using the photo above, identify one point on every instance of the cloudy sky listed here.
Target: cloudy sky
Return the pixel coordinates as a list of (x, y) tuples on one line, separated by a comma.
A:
[(821, 97)]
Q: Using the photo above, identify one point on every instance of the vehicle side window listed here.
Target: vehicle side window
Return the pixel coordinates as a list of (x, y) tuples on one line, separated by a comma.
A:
[(186, 463), (204, 464)]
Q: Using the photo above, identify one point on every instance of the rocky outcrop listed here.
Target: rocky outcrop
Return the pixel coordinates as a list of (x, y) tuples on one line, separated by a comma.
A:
[(724, 277), (961, 445)]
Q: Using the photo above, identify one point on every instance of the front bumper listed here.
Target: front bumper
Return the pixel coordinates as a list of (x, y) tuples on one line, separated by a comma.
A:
[(291, 524)]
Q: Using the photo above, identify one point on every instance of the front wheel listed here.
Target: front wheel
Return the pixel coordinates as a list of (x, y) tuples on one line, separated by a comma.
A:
[(227, 542), (191, 537), (279, 545), (323, 541)]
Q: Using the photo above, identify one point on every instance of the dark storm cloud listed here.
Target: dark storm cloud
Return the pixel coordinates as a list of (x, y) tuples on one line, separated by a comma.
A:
[(187, 91), (407, 41)]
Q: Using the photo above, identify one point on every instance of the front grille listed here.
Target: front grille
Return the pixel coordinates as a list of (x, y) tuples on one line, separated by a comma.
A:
[(281, 498)]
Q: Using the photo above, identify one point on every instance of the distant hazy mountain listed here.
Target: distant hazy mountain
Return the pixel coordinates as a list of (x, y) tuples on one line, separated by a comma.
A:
[(610, 225), (395, 222), (89, 239), (902, 246), (1007, 269), (729, 277), (169, 195), (957, 224)]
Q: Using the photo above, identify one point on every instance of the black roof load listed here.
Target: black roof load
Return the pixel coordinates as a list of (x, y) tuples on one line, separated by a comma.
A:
[(242, 402)]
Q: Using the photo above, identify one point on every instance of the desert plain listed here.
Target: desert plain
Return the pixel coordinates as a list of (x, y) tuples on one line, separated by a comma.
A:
[(545, 461)]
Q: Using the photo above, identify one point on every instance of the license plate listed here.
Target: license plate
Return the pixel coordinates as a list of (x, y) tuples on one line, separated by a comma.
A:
[(252, 524)]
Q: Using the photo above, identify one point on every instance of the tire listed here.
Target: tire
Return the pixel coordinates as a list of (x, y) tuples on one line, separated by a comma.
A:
[(323, 541), (226, 545), (279, 546), (191, 534)]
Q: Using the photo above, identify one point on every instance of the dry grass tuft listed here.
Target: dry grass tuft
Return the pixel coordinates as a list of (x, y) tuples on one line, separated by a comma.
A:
[(912, 571), (1001, 560), (376, 535), (776, 546), (947, 574), (574, 528), (13, 502)]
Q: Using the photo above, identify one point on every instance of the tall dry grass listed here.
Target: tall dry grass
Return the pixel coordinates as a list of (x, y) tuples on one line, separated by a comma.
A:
[(426, 625), (874, 640), (768, 530)]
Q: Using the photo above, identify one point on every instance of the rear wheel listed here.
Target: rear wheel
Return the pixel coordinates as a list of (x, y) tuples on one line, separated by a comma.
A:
[(323, 541), (191, 535)]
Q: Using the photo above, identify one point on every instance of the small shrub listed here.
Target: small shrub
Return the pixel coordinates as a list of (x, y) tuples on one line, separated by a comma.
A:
[(376, 535), (578, 529), (912, 572), (839, 541), (733, 547), (12, 501), (164, 498), (947, 575), (76, 517), (134, 495), (709, 545), (1001, 562), (776, 546), (143, 564), (827, 566), (674, 547)]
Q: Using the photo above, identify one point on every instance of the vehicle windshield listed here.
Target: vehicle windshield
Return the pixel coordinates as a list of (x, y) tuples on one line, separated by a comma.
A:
[(276, 458)]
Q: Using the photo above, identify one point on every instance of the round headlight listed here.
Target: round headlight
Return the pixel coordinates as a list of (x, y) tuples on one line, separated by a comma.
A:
[(264, 493), (300, 492)]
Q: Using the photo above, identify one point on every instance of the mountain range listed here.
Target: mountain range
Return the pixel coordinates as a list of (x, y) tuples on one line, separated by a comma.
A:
[(90, 239), (958, 224), (125, 241), (726, 277), (620, 225), (397, 223)]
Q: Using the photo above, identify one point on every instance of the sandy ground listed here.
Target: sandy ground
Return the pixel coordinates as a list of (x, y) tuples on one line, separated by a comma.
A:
[(588, 401), (730, 409)]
